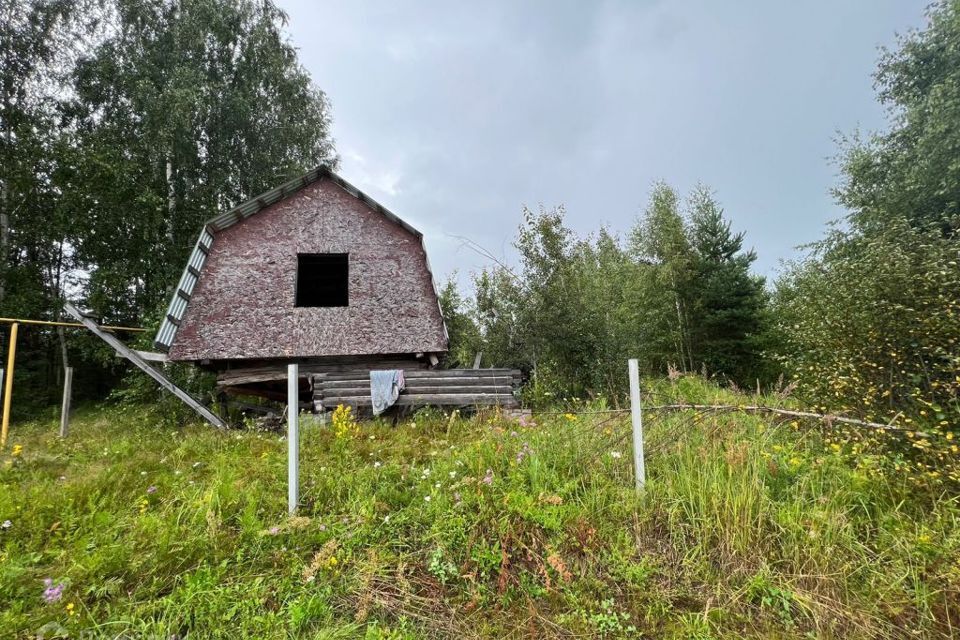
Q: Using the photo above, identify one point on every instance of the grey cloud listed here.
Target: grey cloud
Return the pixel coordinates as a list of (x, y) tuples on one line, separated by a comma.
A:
[(455, 115)]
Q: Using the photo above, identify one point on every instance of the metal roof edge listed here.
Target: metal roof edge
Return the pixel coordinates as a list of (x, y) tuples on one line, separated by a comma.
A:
[(184, 290)]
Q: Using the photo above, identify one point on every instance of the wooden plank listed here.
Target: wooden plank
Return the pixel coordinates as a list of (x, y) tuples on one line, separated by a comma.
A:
[(414, 383), (242, 375), (149, 356), (462, 373), (247, 379), (142, 364), (333, 364), (406, 400), (454, 390), (432, 373)]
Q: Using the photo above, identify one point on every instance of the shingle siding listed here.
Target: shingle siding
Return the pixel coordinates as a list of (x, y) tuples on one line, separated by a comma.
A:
[(242, 307)]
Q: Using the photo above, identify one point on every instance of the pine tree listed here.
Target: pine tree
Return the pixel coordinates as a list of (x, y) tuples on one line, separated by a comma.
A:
[(727, 301), (660, 239)]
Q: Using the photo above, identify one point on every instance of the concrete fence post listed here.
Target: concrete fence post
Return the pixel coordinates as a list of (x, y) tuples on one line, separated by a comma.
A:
[(640, 474), (293, 437), (67, 397)]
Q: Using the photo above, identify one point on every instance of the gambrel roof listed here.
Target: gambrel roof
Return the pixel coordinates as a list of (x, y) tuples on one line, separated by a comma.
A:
[(192, 272)]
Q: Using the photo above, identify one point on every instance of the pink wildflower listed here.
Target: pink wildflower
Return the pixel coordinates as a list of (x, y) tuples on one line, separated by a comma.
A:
[(52, 592), (488, 479)]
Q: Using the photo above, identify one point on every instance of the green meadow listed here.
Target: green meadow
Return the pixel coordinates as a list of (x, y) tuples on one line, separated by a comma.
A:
[(480, 526)]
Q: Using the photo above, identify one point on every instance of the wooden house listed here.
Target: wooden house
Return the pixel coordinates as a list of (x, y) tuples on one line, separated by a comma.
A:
[(317, 273)]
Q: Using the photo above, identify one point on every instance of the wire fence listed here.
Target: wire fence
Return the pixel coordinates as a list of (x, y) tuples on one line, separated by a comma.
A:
[(600, 439), (668, 422)]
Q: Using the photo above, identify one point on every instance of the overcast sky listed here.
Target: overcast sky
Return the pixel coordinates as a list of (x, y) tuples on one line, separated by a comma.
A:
[(457, 114)]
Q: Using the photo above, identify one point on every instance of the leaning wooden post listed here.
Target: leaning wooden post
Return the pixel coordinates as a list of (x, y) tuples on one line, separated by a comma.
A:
[(144, 366), (640, 474), (65, 407), (293, 437), (8, 385)]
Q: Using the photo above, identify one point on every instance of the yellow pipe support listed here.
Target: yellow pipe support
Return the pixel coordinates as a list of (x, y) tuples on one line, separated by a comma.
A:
[(50, 323), (8, 385)]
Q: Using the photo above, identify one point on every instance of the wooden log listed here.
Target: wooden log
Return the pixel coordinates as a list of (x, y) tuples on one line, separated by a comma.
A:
[(431, 373), (420, 390), (406, 400), (415, 383), (455, 390)]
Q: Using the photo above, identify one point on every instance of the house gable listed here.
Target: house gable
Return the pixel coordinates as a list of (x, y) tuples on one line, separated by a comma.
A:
[(242, 282)]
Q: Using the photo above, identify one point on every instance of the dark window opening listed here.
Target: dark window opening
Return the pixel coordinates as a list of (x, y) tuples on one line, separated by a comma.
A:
[(322, 280)]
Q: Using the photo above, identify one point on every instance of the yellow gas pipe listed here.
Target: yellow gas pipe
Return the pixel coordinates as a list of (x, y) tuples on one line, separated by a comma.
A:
[(8, 385), (11, 358)]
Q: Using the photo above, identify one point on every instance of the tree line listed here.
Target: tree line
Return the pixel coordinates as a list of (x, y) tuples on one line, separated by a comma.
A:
[(124, 125), (675, 292), (866, 322)]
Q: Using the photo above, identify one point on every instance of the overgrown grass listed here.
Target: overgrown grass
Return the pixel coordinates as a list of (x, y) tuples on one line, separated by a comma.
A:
[(445, 527)]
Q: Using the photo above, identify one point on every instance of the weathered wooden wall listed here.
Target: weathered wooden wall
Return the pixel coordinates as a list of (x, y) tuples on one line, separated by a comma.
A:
[(243, 305)]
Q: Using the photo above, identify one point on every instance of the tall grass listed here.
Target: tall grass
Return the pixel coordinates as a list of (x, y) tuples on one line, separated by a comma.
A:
[(470, 528)]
